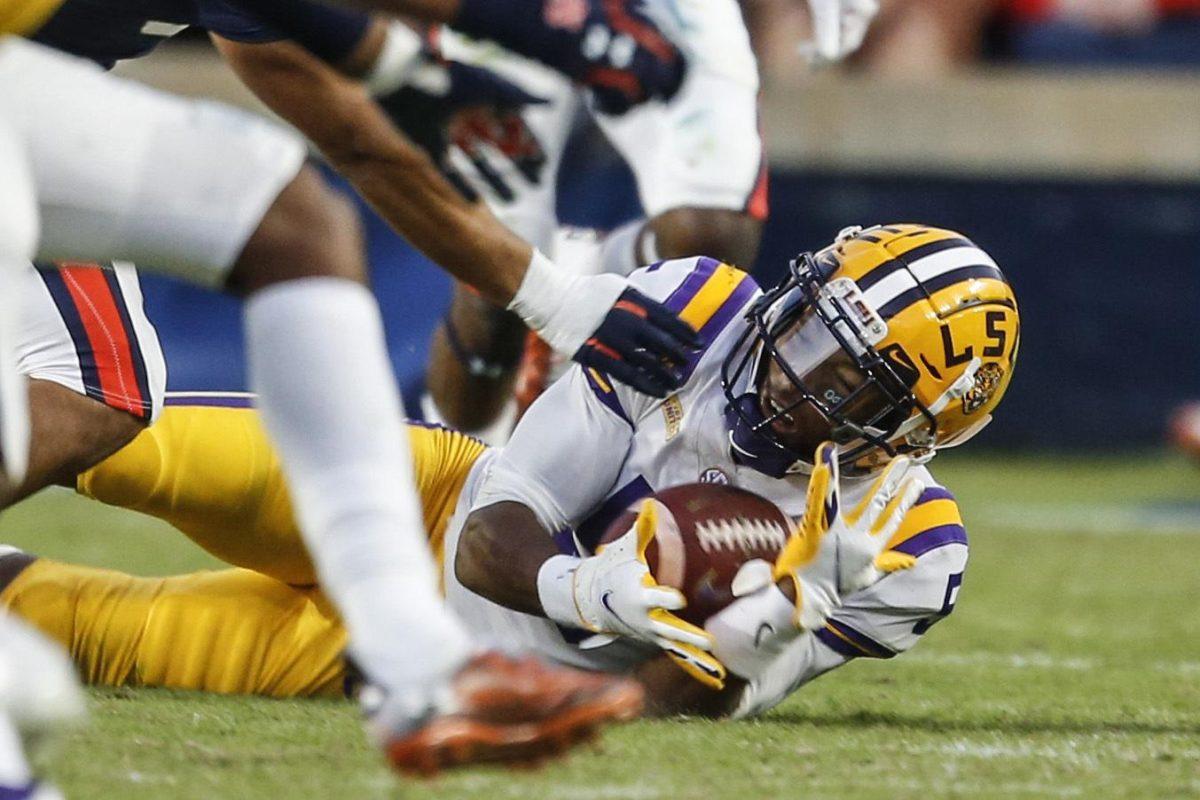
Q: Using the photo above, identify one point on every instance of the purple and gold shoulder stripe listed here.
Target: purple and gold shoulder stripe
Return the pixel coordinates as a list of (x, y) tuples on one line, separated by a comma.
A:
[(933, 522), (708, 299)]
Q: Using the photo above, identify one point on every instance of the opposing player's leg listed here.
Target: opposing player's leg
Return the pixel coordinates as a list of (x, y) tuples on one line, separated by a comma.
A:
[(472, 367), (230, 201), (95, 368), (233, 203)]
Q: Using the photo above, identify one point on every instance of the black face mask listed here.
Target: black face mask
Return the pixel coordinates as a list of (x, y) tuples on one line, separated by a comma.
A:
[(752, 440), (748, 445)]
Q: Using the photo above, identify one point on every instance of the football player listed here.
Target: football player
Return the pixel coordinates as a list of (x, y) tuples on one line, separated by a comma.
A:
[(895, 341), (224, 199), (700, 168)]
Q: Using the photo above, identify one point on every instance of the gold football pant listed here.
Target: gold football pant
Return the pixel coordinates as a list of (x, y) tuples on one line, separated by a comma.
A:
[(264, 629), (233, 631)]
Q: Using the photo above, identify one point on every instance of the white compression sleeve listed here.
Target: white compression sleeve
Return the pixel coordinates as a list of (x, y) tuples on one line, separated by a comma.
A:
[(330, 402)]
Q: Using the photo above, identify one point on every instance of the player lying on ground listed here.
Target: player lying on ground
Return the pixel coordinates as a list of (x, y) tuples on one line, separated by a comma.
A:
[(898, 338)]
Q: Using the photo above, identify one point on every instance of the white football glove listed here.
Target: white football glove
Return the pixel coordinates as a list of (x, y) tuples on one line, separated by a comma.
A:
[(613, 593), (838, 28), (829, 555)]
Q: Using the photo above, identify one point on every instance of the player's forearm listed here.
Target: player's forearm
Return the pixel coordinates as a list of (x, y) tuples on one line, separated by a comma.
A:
[(500, 552), (390, 172)]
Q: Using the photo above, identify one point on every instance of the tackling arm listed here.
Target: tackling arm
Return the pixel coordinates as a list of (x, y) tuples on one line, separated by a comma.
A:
[(392, 173), (598, 320)]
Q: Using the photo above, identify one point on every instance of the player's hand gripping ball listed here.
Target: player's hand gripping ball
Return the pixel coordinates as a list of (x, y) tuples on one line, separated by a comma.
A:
[(705, 533)]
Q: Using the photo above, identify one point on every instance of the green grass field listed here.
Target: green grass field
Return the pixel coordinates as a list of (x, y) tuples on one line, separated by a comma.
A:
[(1070, 668)]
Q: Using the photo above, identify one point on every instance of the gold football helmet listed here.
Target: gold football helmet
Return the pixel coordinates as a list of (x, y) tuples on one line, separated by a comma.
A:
[(895, 338)]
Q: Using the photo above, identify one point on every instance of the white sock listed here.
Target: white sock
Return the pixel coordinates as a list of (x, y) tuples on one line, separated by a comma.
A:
[(14, 768), (14, 399), (329, 400)]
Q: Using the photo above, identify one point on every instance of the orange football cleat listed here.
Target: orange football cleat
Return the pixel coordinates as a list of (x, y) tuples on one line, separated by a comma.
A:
[(515, 711)]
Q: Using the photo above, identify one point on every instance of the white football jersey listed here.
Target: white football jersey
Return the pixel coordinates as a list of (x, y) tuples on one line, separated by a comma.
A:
[(588, 449)]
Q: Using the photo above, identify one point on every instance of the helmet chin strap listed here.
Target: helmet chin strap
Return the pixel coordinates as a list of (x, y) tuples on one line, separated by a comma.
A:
[(912, 431), (749, 447)]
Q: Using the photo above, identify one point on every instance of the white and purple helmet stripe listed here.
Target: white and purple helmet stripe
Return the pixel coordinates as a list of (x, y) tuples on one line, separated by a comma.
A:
[(895, 285)]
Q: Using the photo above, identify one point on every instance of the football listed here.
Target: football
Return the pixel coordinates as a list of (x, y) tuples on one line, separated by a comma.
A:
[(705, 533)]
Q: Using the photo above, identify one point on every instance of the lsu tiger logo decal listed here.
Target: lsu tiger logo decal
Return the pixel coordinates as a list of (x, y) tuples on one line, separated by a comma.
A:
[(987, 380)]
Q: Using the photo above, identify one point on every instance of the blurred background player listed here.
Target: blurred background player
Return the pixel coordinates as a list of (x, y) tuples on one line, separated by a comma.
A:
[(263, 224), (700, 169)]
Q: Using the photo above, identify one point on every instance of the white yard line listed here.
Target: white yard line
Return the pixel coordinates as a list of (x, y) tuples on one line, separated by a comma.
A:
[(1096, 518), (1035, 660)]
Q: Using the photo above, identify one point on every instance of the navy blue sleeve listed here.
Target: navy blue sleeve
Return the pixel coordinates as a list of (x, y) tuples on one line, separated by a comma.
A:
[(330, 34)]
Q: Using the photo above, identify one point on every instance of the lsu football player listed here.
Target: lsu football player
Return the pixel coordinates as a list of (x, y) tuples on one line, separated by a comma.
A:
[(226, 200), (827, 395)]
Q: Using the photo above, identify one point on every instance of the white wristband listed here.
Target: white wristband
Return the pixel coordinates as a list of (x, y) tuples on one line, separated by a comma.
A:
[(401, 46), (556, 590), (541, 292), (563, 307)]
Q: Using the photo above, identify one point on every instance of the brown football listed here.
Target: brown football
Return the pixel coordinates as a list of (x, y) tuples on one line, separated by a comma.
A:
[(705, 533)]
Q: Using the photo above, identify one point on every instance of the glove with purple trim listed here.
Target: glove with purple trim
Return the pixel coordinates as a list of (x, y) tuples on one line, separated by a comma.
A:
[(611, 46)]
